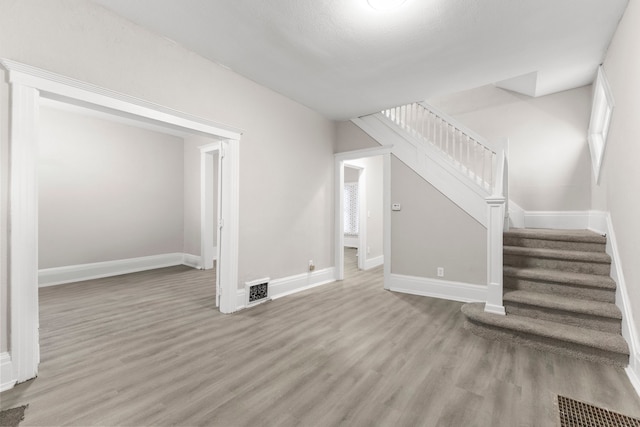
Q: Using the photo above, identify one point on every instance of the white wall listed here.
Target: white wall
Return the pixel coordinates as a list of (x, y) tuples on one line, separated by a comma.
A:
[(431, 231), (107, 191), (549, 165), (286, 151), (620, 175), (374, 210)]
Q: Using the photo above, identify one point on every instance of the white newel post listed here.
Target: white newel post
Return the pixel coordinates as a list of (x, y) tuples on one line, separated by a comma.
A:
[(496, 206)]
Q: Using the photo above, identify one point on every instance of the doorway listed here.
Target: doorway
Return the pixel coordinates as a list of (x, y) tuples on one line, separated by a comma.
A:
[(373, 209), (28, 86), (355, 228), (211, 210)]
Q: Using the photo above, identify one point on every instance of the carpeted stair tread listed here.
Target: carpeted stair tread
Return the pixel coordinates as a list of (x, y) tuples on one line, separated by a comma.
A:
[(606, 341), (582, 236), (559, 254), (556, 302), (556, 276)]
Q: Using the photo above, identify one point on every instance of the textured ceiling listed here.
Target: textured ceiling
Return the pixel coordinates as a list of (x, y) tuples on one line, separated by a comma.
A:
[(344, 59)]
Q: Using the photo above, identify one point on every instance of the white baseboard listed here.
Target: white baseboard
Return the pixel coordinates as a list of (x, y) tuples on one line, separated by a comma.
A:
[(97, 270), (456, 291), (191, 260), (6, 372), (279, 288), (373, 262), (576, 220), (351, 242)]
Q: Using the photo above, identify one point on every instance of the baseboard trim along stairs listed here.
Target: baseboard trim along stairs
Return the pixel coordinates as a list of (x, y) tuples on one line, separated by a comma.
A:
[(558, 296)]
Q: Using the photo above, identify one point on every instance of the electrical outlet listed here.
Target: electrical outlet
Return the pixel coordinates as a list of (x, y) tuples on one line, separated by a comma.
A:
[(440, 271), (368, 250), (311, 265)]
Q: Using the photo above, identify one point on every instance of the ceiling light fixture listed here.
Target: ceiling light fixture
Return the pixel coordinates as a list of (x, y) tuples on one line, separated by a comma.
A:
[(385, 4)]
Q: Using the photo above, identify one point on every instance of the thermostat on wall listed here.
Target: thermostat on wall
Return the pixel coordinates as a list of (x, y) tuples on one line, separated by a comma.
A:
[(396, 207)]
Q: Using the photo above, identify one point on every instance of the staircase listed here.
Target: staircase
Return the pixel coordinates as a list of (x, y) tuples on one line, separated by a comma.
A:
[(554, 285), (558, 296)]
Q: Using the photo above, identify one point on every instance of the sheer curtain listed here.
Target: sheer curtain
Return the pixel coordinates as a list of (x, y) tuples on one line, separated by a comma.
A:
[(351, 212)]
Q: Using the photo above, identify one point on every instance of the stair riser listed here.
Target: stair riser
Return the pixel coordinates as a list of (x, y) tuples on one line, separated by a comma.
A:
[(548, 344), (602, 269), (561, 289), (553, 244), (575, 319)]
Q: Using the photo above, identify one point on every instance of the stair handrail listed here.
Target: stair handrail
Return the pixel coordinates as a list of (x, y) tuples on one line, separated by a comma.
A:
[(473, 155)]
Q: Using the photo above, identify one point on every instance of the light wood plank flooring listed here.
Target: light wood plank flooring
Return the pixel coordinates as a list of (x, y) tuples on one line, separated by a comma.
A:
[(150, 349)]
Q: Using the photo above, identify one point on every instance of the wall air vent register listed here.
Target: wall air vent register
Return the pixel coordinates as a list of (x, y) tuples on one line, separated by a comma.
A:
[(256, 291)]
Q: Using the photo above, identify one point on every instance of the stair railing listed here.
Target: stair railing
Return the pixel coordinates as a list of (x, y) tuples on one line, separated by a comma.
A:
[(473, 155), (485, 163)]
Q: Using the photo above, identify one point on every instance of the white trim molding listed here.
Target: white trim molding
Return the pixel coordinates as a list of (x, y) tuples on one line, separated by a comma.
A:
[(229, 228), (193, 261), (96, 270), (374, 262), (576, 220), (7, 379), (284, 286), (570, 220), (601, 112), (444, 289), (61, 88), (351, 241), (23, 238)]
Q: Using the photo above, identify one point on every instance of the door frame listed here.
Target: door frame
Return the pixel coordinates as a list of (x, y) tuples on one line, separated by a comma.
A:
[(27, 86), (208, 219), (339, 161), (362, 208)]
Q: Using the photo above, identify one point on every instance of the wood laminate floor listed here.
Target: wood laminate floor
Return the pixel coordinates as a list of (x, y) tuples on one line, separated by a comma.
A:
[(150, 349)]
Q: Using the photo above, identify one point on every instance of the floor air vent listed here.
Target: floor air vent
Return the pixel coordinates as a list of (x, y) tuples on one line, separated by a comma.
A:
[(574, 413), (256, 291)]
